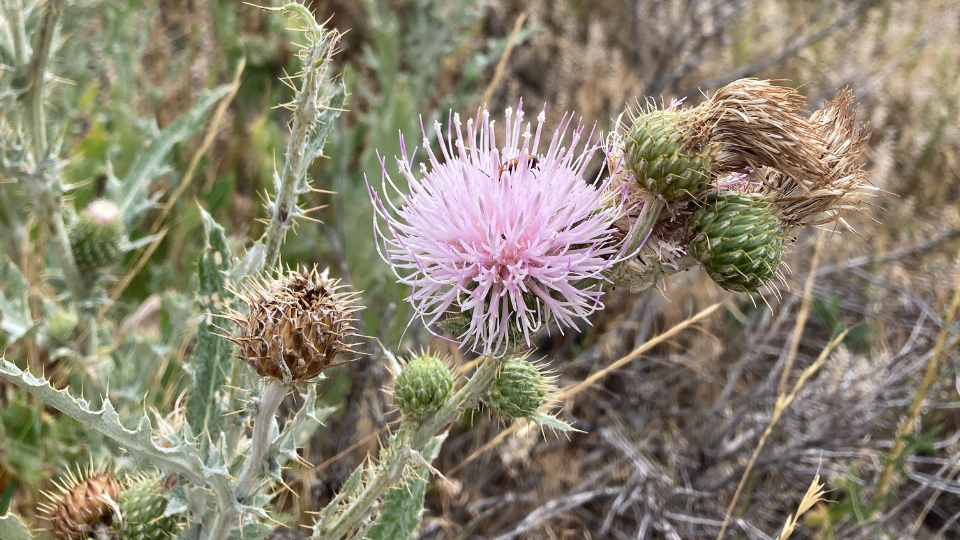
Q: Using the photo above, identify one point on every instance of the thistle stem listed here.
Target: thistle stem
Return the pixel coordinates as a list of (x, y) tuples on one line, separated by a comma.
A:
[(390, 471), (43, 186), (251, 475), (306, 107)]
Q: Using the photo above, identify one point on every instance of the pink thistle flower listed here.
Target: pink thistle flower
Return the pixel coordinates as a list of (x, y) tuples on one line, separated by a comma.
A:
[(509, 238)]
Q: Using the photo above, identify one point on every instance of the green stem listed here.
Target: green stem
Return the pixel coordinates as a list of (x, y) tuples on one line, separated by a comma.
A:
[(306, 107), (270, 401), (33, 97), (18, 33), (390, 470)]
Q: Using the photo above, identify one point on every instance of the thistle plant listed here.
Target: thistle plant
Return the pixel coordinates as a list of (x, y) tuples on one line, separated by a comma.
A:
[(496, 241)]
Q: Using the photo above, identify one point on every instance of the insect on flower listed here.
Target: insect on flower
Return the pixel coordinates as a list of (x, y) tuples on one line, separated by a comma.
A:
[(511, 164)]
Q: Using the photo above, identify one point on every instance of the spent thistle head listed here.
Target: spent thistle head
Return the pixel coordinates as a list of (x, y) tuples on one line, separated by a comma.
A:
[(86, 503), (295, 325)]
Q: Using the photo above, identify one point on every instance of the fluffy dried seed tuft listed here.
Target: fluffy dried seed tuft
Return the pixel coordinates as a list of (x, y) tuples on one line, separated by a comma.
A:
[(295, 326), (760, 125), (82, 506), (824, 199)]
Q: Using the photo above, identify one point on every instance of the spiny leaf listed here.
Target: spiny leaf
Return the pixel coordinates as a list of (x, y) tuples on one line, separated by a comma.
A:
[(181, 458), (550, 421), (11, 528), (402, 506), (211, 361), (131, 194)]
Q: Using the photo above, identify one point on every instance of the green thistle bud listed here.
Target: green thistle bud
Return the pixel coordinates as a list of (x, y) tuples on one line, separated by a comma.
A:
[(519, 389), (61, 326), (423, 386), (739, 239), (142, 504), (653, 152), (96, 237)]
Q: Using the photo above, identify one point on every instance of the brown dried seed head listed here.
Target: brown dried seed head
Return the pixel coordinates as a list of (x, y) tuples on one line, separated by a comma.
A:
[(760, 125), (824, 199), (82, 506), (295, 325)]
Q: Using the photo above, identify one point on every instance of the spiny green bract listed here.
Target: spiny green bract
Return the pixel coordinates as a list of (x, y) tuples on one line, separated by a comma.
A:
[(142, 505), (96, 237), (739, 239), (653, 152), (519, 389), (423, 386)]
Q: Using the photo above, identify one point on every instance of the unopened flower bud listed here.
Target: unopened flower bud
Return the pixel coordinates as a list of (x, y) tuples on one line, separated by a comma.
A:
[(142, 506), (519, 389), (96, 237), (61, 326), (423, 386), (655, 153), (739, 239)]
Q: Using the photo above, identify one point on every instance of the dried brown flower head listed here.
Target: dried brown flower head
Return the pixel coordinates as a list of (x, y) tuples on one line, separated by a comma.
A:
[(82, 506), (760, 125), (295, 326), (823, 199)]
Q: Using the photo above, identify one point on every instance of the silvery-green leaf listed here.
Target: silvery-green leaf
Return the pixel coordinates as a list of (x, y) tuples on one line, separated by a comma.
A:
[(551, 421), (15, 318), (11, 528), (402, 506), (211, 358), (130, 194)]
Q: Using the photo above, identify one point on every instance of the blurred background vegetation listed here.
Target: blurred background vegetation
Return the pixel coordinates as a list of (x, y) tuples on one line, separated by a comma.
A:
[(666, 439)]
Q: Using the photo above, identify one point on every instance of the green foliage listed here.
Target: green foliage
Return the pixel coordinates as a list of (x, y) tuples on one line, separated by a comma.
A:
[(130, 194), (11, 528), (15, 318), (423, 386), (402, 506), (738, 239), (212, 359)]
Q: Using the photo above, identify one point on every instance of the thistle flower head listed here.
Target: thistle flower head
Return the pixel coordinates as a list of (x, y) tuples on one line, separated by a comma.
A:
[(86, 502), (508, 238), (295, 325), (103, 212)]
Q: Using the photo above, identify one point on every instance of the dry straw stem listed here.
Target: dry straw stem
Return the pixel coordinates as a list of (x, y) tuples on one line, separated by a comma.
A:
[(933, 367), (783, 402), (504, 58), (817, 200), (760, 126), (574, 389)]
